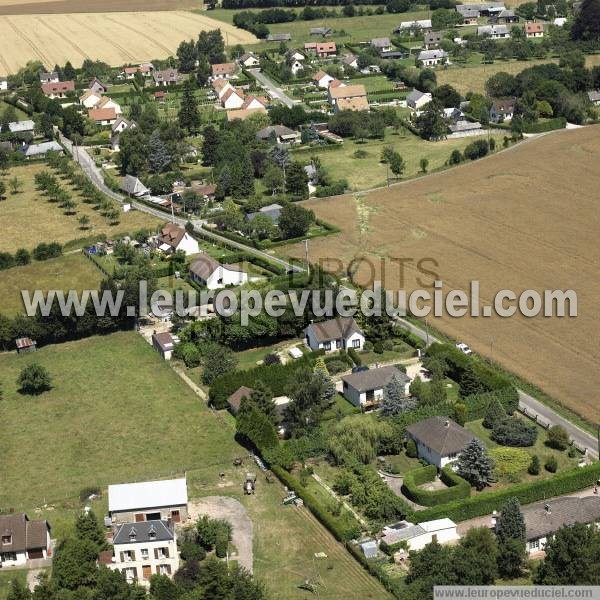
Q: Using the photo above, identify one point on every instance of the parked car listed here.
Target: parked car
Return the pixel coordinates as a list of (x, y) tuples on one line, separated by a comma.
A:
[(464, 348)]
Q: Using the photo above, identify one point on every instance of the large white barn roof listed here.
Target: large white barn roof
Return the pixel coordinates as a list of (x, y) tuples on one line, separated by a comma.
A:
[(147, 494)]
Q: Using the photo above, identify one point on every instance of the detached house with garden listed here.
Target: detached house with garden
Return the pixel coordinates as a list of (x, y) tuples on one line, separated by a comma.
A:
[(341, 333), (22, 540), (365, 388), (439, 440)]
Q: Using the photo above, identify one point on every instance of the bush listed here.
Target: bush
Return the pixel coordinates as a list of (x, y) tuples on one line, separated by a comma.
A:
[(222, 543), (378, 347), (86, 492), (534, 465), (411, 449), (457, 486), (272, 359), (509, 461), (476, 149), (34, 379), (388, 345), (353, 354), (558, 438), (45, 251), (513, 431), (368, 346), (336, 366), (551, 465)]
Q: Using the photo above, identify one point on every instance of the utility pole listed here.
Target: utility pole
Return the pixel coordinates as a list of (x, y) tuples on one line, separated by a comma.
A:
[(306, 256)]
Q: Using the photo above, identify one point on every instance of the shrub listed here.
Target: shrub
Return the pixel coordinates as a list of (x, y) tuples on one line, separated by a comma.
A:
[(558, 438), (476, 149), (457, 486), (271, 359), (34, 379), (494, 414), (353, 354), (534, 465), (222, 543), (572, 452), (360, 154), (86, 492), (388, 345), (513, 431), (551, 465), (509, 461), (368, 346), (336, 366), (378, 347)]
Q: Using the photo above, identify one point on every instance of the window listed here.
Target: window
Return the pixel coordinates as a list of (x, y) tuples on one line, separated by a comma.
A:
[(164, 569), (356, 343), (6, 540), (128, 555), (338, 344), (163, 553), (534, 544), (144, 552), (8, 556), (327, 345)]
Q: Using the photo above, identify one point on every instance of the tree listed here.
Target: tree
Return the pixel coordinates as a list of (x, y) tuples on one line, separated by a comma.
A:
[(216, 360), (534, 465), (187, 56), (475, 465), (429, 567), (397, 164), (133, 152), (501, 85), (189, 117), (495, 414), (431, 122), (296, 183), (15, 185), (74, 564), (424, 164), (18, 591), (210, 145), (261, 227), (475, 558), (447, 95), (255, 427), (262, 397), (394, 399), (587, 22), (273, 178), (558, 437), (510, 530), (87, 527), (470, 383), (295, 221), (34, 379), (84, 221), (159, 159)]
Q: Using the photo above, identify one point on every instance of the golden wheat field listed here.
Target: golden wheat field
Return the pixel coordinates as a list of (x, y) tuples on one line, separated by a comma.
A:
[(527, 218), (115, 38)]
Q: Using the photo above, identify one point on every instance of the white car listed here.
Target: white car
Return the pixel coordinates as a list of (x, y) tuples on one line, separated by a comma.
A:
[(464, 348)]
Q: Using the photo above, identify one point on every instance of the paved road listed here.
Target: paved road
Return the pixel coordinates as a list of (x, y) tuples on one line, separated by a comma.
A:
[(528, 404), (271, 87), (95, 175)]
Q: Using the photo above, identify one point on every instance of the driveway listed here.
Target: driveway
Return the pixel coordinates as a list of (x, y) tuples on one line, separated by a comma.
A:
[(229, 509), (272, 89)]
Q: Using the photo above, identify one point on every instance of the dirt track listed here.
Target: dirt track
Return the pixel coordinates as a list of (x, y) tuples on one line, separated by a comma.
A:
[(526, 219)]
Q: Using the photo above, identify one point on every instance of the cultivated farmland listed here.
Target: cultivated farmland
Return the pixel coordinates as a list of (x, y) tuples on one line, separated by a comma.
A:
[(524, 219), (115, 38)]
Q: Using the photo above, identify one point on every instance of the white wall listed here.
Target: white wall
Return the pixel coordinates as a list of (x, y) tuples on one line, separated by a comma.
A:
[(20, 560), (189, 245), (444, 536)]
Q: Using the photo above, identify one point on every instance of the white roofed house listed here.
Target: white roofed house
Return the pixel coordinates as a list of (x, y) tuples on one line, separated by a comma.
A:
[(365, 388), (142, 549), (173, 238), (248, 60), (205, 270), (335, 334), (494, 32), (27, 126), (413, 27), (416, 537), (322, 79), (432, 58), (165, 499)]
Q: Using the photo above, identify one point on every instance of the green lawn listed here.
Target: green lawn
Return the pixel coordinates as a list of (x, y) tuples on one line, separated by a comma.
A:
[(68, 272), (402, 463), (340, 409), (7, 578), (21, 116), (248, 359), (367, 172), (401, 351), (373, 84)]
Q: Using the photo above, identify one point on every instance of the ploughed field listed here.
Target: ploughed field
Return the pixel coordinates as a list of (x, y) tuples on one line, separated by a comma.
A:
[(524, 219)]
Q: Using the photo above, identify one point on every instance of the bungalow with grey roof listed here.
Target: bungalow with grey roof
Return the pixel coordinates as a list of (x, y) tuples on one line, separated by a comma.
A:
[(271, 210), (280, 133), (335, 334), (133, 187), (502, 110), (417, 99), (494, 32), (40, 150), (166, 77), (432, 58), (382, 44), (413, 27), (432, 39), (594, 97), (205, 270), (365, 388), (324, 31), (279, 37)]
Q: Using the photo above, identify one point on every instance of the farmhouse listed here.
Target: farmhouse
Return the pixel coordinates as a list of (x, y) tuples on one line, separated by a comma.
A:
[(462, 128), (103, 116), (334, 334), (443, 531), (133, 187), (164, 343), (166, 77), (284, 136), (502, 110), (494, 32), (21, 126), (173, 238), (106, 102), (534, 30), (325, 49), (23, 540), (350, 60), (271, 210), (324, 31), (432, 58), (365, 388), (248, 60), (235, 400), (254, 102), (279, 37), (346, 92), (543, 519), (432, 39), (224, 70), (439, 440), (90, 99), (205, 270), (97, 86), (469, 13), (412, 27), (49, 77), (417, 99), (143, 549), (506, 16), (148, 501), (232, 98), (381, 44), (594, 97), (322, 79), (40, 150), (58, 89)]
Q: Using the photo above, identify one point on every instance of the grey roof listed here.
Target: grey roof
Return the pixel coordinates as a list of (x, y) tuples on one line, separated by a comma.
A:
[(492, 30), (468, 11), (381, 42), (19, 126), (348, 59), (48, 75), (25, 534), (464, 126), (271, 210), (414, 96), (143, 531), (120, 120), (393, 535), (441, 434), (279, 37), (433, 36), (506, 14), (432, 54), (333, 329), (568, 510), (43, 148), (594, 96), (320, 30), (278, 130), (374, 379), (204, 266), (132, 185)]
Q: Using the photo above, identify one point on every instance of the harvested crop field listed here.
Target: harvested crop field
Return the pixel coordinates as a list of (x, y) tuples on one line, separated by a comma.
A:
[(115, 38), (35, 7), (523, 219)]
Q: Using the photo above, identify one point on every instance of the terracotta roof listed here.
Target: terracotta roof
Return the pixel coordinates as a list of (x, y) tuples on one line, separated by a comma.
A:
[(441, 434), (105, 557), (235, 399), (102, 114), (88, 94), (349, 91), (358, 103), (24, 342), (534, 27), (319, 75), (334, 329), (58, 88), (229, 92), (335, 83), (326, 47), (25, 534), (171, 234), (219, 84), (224, 69), (250, 99), (131, 70)]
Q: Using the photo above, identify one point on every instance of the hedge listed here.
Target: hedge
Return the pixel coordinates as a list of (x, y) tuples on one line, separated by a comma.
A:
[(477, 404), (340, 531), (457, 487), (353, 354), (543, 126), (477, 506)]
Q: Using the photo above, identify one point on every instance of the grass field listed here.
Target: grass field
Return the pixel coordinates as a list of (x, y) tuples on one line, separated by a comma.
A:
[(115, 38), (7, 578), (368, 172), (69, 272), (28, 218), (117, 412), (509, 225)]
